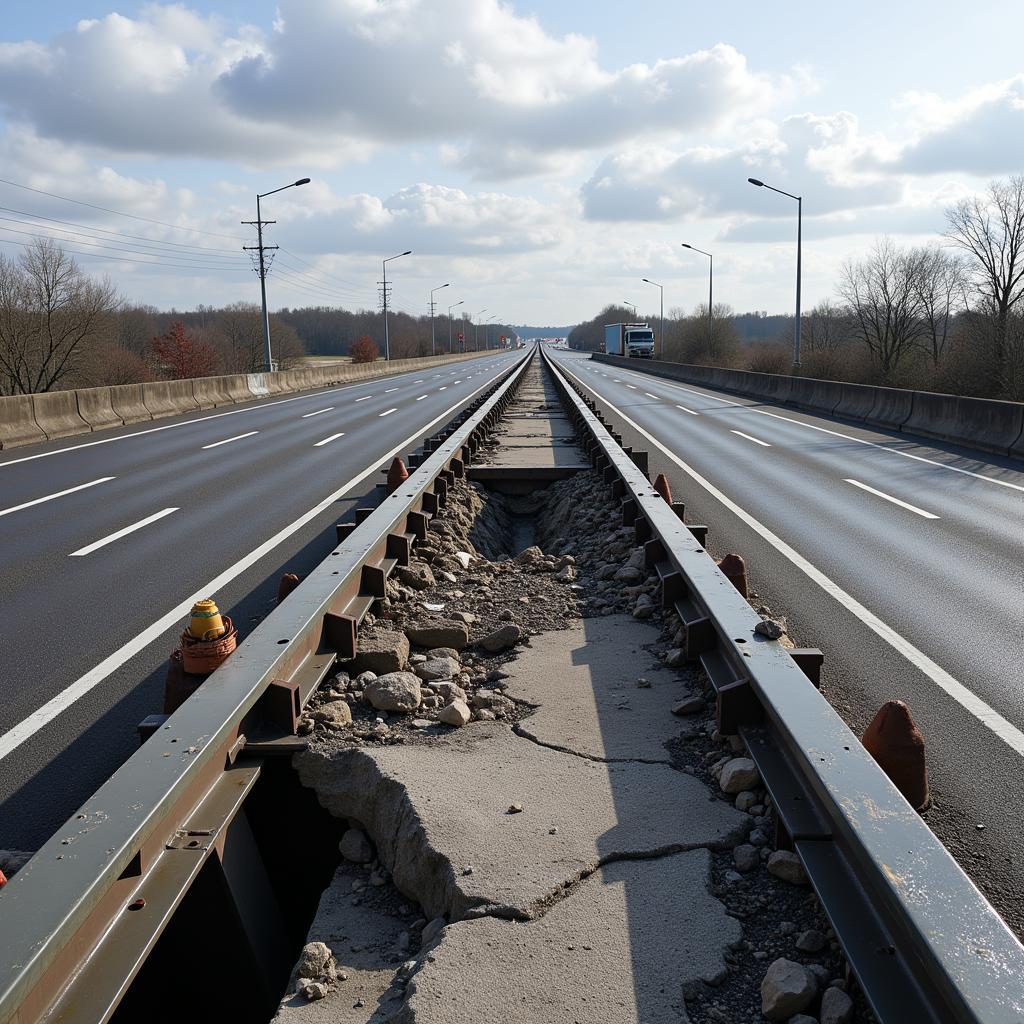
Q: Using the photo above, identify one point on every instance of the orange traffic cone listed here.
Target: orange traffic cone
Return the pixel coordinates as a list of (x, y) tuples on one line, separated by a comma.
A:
[(661, 485), (397, 475), (735, 569), (3, 879), (895, 743), (289, 581)]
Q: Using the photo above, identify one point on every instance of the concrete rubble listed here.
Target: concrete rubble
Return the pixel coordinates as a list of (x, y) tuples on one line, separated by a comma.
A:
[(544, 825)]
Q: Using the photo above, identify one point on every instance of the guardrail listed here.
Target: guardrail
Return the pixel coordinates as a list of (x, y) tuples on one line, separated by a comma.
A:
[(984, 423), (29, 419), (78, 921), (923, 942)]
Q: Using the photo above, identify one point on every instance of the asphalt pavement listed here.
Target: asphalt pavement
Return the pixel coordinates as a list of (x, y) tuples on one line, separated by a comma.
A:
[(901, 558), (109, 537)]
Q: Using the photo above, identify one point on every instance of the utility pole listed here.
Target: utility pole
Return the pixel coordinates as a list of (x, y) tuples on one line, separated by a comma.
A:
[(264, 265), (385, 297), (432, 305)]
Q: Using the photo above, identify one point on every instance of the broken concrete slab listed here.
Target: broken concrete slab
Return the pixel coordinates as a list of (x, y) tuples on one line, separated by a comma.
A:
[(618, 949), (583, 681), (434, 808)]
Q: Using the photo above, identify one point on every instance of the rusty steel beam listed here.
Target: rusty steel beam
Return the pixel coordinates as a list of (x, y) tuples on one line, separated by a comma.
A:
[(923, 942), (73, 932)]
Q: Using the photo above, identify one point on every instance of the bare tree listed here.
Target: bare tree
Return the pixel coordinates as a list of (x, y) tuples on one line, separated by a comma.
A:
[(990, 229), (826, 328), (50, 313), (941, 290), (884, 302)]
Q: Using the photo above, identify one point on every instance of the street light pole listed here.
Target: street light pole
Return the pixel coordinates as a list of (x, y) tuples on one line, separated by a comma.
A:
[(476, 329), (384, 283), (799, 233), (662, 290), (632, 305), (450, 308), (711, 297), (432, 304), (259, 222)]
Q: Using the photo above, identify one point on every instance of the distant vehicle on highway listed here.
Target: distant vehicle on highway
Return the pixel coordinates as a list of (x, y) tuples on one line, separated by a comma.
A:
[(632, 340)]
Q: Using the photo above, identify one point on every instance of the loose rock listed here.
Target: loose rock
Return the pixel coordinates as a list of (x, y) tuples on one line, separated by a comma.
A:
[(501, 639), (355, 846), (313, 960), (836, 1007), (787, 865), (787, 989), (396, 691), (739, 774), (334, 714), (457, 713), (438, 634), (380, 651)]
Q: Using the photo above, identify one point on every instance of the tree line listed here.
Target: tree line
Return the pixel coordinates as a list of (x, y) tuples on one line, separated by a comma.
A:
[(62, 328), (940, 317)]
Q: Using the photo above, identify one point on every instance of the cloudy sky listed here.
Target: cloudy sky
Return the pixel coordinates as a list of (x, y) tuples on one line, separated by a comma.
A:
[(542, 157)]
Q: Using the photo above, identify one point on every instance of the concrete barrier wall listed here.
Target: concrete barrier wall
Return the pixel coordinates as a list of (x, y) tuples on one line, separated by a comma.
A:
[(236, 387), (169, 397), (971, 422), (128, 403), (856, 401), (976, 422), (62, 413), (95, 406), (56, 414), (17, 422)]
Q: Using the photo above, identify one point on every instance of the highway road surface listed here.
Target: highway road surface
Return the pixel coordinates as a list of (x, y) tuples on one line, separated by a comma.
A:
[(902, 559), (108, 538)]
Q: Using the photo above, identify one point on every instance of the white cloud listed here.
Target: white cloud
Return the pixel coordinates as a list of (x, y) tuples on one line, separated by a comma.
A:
[(805, 154), (980, 133), (336, 79)]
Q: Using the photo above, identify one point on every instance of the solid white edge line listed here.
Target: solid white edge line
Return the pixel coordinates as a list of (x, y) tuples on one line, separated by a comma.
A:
[(246, 407), (388, 412), (846, 437), (306, 415), (889, 497), (892, 451), (987, 715), (765, 444), (327, 440), (96, 545), (56, 494), (31, 724), (228, 440)]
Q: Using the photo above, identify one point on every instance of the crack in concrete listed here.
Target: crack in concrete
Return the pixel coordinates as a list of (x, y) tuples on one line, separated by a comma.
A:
[(518, 730)]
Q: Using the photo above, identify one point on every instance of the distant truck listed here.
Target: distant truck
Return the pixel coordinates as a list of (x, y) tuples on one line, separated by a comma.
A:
[(635, 341)]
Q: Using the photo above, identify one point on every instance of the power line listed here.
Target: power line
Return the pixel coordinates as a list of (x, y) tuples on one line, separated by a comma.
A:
[(145, 250), (185, 260), (121, 259), (117, 213), (121, 234), (340, 280)]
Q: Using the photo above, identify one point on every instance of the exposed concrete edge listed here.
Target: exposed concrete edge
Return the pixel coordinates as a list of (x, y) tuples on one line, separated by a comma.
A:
[(16, 438)]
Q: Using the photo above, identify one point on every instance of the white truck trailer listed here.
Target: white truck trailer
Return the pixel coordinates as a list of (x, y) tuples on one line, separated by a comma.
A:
[(632, 340)]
